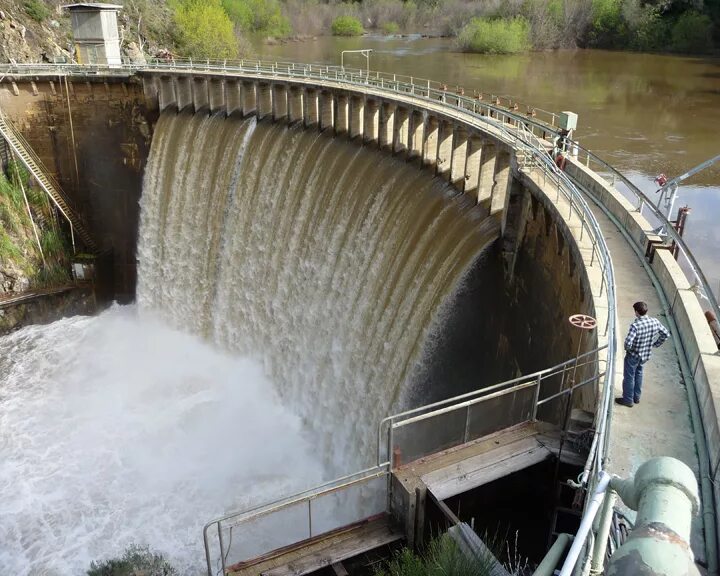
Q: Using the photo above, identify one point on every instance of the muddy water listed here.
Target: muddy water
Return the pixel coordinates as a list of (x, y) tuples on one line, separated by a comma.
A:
[(643, 113)]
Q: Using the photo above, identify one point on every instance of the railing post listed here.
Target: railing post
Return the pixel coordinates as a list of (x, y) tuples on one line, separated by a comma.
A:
[(310, 518), (222, 547), (536, 398), (467, 424)]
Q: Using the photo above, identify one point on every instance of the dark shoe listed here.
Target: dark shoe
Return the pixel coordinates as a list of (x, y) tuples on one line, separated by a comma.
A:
[(637, 401), (622, 402)]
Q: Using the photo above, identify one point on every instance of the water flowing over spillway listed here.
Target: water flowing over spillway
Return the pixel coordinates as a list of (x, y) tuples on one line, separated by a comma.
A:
[(325, 260), (290, 286)]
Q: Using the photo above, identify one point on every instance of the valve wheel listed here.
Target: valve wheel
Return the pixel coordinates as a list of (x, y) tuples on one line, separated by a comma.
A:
[(583, 321)]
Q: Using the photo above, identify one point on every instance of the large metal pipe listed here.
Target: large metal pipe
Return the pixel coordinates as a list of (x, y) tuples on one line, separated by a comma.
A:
[(550, 562), (665, 494)]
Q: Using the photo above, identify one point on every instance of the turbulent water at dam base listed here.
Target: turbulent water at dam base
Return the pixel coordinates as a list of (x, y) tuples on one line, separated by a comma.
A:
[(291, 291)]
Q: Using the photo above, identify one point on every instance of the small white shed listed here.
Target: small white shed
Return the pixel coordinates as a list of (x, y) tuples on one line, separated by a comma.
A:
[(95, 30)]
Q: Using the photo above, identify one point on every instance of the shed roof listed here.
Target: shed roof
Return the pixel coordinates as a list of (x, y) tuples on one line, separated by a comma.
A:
[(92, 6)]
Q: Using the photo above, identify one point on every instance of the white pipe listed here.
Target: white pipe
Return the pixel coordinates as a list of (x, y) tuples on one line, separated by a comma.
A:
[(585, 525)]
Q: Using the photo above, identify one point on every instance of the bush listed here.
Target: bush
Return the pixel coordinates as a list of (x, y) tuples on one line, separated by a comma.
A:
[(692, 33), (650, 31), (262, 16), (608, 28), (390, 28), (495, 36), (205, 30), (137, 559), (36, 9), (347, 26)]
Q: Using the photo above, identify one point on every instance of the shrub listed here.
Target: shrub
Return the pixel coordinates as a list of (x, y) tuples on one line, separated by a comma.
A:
[(205, 30), (36, 9), (390, 28), (136, 560), (263, 16), (692, 33), (347, 26), (649, 30), (495, 36), (608, 28)]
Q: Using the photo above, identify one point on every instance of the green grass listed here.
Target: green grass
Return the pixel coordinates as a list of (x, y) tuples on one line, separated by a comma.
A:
[(8, 248), (441, 558), (347, 26), (495, 36)]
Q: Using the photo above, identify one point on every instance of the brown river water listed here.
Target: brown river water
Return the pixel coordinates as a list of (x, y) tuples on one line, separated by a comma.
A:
[(642, 113)]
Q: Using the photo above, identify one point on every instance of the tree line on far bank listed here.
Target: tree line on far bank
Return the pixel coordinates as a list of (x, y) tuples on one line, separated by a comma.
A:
[(219, 28)]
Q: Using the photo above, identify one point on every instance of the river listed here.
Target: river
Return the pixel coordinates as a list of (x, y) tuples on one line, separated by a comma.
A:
[(643, 113)]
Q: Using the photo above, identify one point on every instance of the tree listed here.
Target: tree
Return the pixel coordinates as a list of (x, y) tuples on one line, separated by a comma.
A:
[(205, 30)]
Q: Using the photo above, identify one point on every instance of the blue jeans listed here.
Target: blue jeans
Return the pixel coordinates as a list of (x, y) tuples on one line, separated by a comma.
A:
[(632, 378)]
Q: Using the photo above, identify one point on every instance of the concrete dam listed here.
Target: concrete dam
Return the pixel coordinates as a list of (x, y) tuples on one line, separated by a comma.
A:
[(373, 248)]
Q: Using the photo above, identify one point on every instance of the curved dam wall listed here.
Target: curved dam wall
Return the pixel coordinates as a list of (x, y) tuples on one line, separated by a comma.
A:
[(502, 313)]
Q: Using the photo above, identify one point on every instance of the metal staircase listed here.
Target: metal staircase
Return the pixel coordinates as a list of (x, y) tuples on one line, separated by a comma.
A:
[(19, 148)]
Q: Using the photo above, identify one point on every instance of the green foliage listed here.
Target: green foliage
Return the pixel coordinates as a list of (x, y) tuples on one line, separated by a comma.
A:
[(17, 174), (52, 244), (205, 30), (650, 30), (11, 192), (57, 274), (36, 9), (347, 26), (136, 560), (442, 558), (390, 28), (262, 16), (8, 248), (495, 36), (692, 33), (608, 28)]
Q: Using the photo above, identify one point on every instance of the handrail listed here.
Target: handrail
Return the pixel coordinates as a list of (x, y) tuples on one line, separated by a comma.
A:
[(6, 124), (644, 201), (305, 496), (389, 425), (389, 81)]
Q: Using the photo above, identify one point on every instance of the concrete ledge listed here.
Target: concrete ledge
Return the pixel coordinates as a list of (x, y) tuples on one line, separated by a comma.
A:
[(694, 332), (707, 384)]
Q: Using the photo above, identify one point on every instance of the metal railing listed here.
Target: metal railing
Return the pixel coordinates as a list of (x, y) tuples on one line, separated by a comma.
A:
[(611, 176), (501, 107), (253, 533), (455, 421)]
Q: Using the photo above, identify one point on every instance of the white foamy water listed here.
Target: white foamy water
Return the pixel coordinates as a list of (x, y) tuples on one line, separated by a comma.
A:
[(117, 429)]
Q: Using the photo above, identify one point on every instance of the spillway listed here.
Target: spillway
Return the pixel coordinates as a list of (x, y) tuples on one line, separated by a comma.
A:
[(327, 262), (293, 289)]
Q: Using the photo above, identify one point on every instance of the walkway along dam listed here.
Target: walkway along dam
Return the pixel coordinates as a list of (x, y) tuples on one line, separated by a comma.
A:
[(380, 242)]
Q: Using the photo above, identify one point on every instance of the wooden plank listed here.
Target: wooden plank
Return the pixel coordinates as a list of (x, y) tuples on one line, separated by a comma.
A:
[(321, 540), (362, 541), (484, 468), (482, 445)]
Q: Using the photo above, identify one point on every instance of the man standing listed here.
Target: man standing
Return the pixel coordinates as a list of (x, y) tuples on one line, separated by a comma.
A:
[(645, 334)]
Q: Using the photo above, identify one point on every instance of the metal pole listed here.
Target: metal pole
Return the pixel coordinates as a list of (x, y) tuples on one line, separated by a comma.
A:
[(585, 525)]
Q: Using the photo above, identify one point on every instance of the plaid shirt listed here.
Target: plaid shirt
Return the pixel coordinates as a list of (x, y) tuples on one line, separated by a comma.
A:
[(645, 334)]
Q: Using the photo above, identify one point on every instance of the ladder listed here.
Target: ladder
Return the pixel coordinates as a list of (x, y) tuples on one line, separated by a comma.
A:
[(22, 150)]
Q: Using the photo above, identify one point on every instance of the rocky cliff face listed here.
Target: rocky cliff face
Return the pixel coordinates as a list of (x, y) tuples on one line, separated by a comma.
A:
[(40, 30)]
